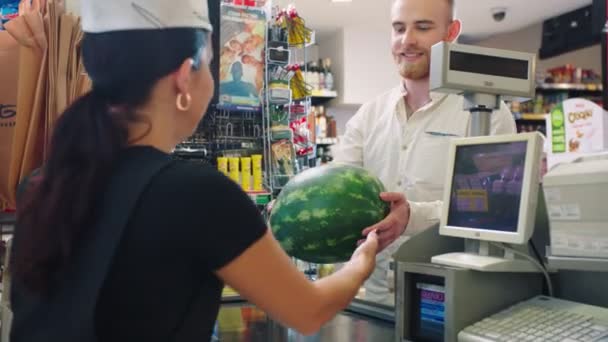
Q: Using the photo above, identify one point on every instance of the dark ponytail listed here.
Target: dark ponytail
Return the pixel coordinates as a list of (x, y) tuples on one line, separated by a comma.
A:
[(59, 206)]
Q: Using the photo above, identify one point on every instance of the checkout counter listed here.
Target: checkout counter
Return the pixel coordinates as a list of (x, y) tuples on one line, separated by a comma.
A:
[(506, 245), (441, 296), (362, 321), (511, 260), (466, 295), (241, 322)]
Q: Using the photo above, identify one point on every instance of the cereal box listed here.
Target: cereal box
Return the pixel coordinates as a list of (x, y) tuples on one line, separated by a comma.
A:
[(578, 126)]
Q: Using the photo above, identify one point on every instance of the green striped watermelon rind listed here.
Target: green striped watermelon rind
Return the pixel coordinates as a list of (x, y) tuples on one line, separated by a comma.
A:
[(308, 224)]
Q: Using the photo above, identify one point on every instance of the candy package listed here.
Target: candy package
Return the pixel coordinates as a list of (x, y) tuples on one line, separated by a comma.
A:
[(284, 161)]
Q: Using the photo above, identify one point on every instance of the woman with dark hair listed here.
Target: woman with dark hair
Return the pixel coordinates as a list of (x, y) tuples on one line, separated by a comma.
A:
[(190, 231)]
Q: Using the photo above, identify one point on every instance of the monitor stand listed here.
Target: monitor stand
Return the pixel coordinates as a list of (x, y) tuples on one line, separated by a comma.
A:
[(483, 260), (481, 107)]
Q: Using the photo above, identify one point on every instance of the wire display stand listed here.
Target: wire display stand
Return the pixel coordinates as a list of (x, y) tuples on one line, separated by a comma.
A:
[(279, 130), (286, 109), (233, 132)]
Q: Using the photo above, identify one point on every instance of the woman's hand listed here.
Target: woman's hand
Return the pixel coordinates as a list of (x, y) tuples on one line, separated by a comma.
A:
[(364, 256)]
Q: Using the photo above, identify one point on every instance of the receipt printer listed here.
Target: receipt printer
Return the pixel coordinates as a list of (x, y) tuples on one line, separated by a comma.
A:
[(575, 196)]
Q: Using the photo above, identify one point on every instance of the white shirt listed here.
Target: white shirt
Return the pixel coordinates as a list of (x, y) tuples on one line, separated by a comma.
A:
[(409, 156)]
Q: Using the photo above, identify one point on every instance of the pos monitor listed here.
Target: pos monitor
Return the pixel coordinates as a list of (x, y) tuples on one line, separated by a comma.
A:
[(492, 186)]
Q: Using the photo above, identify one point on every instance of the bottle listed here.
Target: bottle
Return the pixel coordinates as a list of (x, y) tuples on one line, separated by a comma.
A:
[(317, 124), (321, 124), (314, 77), (331, 127), (312, 124), (329, 77), (321, 75), (308, 75)]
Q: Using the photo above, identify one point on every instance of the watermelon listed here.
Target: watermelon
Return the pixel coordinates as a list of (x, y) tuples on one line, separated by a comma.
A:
[(319, 215)]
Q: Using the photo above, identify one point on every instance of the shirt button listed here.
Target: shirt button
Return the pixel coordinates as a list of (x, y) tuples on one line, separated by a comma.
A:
[(404, 147), (399, 183)]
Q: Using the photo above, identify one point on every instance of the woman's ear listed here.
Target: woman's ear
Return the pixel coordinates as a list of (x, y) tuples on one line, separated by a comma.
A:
[(183, 76)]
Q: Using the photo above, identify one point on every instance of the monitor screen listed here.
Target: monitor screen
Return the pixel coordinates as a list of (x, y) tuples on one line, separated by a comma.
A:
[(428, 310), (487, 186)]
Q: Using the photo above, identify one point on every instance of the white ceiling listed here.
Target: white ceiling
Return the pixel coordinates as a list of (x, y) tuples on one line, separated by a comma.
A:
[(323, 15)]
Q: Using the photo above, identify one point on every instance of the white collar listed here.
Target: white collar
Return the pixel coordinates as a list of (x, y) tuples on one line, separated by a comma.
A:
[(400, 92)]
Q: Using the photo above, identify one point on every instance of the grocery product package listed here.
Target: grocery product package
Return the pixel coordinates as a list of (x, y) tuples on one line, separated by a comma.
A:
[(574, 128)]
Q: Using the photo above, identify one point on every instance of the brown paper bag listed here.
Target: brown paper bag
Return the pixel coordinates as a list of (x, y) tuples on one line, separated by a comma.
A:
[(28, 30), (51, 76), (9, 62)]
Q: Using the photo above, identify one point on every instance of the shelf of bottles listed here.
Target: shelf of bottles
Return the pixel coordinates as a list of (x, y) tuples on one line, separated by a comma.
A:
[(554, 86)]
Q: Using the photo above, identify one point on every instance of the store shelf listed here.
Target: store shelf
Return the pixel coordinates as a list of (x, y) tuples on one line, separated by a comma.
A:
[(324, 93), (532, 116), (319, 97), (327, 141), (570, 86)]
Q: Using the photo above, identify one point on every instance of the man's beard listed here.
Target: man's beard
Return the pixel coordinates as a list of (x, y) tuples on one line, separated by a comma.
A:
[(414, 71)]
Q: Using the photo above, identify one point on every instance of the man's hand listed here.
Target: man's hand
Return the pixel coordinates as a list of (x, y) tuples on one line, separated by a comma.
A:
[(394, 224)]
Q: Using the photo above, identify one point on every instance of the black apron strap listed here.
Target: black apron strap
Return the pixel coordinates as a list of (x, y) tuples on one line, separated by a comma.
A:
[(69, 315)]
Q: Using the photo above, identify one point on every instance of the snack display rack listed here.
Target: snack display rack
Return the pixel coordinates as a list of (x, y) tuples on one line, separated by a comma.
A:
[(277, 130), (287, 97)]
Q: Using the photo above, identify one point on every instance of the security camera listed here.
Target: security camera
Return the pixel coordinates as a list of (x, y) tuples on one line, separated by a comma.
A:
[(499, 13)]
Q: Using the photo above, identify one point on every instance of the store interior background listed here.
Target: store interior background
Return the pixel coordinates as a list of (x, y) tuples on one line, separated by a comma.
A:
[(355, 35)]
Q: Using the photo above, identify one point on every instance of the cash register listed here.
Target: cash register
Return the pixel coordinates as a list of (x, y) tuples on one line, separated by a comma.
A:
[(494, 292), (480, 274), (495, 216), (578, 218), (492, 190)]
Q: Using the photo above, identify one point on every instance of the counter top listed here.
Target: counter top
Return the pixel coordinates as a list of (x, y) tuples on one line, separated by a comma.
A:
[(242, 322)]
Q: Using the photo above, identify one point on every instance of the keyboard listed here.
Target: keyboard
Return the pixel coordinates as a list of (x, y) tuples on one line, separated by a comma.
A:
[(541, 319)]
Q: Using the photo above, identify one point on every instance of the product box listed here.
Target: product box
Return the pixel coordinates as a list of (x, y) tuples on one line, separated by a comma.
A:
[(576, 127)]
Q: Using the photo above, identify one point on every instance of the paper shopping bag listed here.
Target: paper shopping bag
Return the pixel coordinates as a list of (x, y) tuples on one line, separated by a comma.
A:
[(28, 31), (9, 62)]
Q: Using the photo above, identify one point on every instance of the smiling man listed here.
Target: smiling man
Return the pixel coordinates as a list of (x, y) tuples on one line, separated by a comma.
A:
[(402, 136)]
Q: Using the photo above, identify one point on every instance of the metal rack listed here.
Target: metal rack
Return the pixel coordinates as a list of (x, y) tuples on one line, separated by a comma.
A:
[(227, 133), (280, 55), (230, 133), (224, 133)]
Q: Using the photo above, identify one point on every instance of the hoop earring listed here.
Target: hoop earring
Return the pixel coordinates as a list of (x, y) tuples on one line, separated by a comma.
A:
[(180, 106)]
